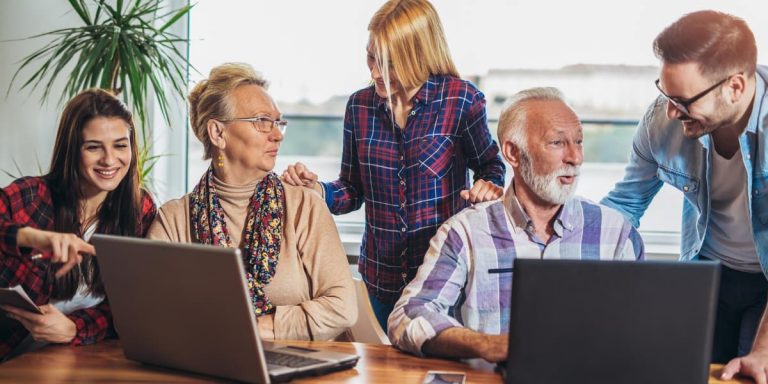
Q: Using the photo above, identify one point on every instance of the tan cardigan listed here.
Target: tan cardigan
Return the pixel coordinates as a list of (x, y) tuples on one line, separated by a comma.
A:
[(312, 287)]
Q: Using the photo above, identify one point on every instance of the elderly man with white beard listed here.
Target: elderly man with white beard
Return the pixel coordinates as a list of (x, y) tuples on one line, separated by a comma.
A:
[(458, 303)]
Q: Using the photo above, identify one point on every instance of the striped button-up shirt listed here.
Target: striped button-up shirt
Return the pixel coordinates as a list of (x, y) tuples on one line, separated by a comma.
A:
[(410, 177), (466, 278)]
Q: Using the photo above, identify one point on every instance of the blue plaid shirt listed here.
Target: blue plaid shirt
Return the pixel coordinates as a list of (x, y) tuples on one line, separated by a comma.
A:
[(410, 178)]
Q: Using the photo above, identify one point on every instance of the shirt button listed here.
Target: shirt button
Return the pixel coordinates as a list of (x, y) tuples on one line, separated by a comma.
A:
[(402, 205), (402, 229), (413, 113), (402, 182), (685, 188), (749, 156), (402, 157)]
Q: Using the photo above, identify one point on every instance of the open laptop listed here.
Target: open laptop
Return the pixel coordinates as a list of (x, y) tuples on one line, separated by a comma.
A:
[(186, 306), (579, 321)]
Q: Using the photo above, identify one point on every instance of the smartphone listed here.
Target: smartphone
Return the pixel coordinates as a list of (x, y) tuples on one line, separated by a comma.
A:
[(441, 377)]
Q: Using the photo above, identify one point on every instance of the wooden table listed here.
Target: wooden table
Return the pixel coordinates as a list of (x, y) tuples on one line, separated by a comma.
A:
[(105, 362)]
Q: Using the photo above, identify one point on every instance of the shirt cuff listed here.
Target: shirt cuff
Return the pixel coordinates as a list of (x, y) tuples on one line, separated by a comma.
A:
[(327, 193), (420, 330), (84, 334), (499, 181)]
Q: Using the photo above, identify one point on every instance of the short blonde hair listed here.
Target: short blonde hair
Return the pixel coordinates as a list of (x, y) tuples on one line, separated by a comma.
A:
[(209, 99), (408, 35), (512, 121)]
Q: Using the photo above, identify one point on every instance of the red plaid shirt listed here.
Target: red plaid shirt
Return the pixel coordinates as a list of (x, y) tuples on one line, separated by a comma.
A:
[(410, 178), (27, 202)]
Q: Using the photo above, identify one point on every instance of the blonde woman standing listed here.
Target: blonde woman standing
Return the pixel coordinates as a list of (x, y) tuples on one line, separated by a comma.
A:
[(409, 141)]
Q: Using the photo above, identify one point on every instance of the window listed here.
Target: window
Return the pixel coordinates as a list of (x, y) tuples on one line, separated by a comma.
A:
[(599, 53)]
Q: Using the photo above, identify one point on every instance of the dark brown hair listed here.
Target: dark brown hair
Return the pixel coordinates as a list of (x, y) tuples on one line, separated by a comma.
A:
[(120, 212), (720, 43)]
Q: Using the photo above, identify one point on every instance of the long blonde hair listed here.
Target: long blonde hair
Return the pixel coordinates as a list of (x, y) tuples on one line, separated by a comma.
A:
[(408, 35)]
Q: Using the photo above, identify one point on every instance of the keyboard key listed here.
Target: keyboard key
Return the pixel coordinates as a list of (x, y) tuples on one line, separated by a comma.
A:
[(289, 360)]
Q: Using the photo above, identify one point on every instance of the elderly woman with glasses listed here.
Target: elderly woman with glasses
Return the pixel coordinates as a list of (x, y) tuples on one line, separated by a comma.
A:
[(295, 265)]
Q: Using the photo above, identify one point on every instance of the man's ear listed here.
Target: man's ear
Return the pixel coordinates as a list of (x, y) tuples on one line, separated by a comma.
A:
[(511, 153), (216, 133), (738, 85)]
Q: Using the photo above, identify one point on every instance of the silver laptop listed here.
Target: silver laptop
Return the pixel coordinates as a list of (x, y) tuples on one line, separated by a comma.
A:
[(186, 306), (588, 321)]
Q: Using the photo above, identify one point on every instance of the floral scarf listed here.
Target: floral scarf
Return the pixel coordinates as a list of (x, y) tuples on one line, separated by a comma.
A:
[(262, 233)]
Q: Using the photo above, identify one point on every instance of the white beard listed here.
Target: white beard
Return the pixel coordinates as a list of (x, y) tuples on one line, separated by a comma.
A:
[(547, 187)]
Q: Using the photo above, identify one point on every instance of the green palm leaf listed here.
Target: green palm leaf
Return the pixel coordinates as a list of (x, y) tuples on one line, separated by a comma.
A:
[(122, 46), (95, 49)]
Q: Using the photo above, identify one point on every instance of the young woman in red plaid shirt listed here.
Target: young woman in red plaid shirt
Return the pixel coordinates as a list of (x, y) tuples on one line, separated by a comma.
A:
[(409, 141), (45, 222)]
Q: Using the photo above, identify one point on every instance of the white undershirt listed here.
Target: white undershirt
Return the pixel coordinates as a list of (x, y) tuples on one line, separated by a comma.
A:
[(729, 231), (82, 298)]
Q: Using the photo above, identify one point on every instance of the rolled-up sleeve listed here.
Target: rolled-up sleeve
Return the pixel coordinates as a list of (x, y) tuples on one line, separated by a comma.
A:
[(633, 194), (479, 148), (424, 309), (345, 194)]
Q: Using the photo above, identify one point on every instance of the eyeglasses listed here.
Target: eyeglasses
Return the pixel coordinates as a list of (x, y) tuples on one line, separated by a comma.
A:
[(683, 105), (262, 123)]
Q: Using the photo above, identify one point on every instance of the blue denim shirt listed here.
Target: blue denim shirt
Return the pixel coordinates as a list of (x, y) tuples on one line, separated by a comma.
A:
[(661, 154)]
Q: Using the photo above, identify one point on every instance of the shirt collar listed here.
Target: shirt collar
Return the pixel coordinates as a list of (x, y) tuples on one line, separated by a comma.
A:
[(754, 118), (568, 217)]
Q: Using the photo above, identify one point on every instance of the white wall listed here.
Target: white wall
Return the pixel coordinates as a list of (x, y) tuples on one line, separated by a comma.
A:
[(28, 129), (169, 177)]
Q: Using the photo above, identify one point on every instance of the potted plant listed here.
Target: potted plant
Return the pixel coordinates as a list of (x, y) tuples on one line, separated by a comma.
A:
[(122, 46)]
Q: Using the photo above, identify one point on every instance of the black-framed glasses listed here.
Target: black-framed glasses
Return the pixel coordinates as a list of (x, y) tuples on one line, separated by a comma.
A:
[(682, 105), (263, 123)]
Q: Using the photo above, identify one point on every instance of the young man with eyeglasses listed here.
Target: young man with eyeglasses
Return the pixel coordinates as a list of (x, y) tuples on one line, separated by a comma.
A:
[(706, 136)]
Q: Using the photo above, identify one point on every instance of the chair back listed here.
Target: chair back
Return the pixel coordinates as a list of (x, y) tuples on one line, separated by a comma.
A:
[(367, 329)]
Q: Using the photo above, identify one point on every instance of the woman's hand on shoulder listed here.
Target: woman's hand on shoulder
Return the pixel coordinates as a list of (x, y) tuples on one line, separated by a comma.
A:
[(482, 191), (64, 248), (52, 326), (299, 175)]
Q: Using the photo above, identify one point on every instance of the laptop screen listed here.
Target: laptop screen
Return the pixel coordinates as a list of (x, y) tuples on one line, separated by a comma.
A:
[(611, 321)]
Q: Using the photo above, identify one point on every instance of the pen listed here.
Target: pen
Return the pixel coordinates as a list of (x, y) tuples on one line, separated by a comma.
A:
[(44, 256)]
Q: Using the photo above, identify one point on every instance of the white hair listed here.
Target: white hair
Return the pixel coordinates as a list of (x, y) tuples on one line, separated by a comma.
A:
[(546, 186), (513, 116)]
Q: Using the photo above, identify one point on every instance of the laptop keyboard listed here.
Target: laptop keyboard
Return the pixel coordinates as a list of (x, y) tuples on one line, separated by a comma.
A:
[(289, 360)]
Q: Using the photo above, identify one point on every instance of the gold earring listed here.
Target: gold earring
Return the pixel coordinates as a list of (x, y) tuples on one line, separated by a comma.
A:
[(221, 161)]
